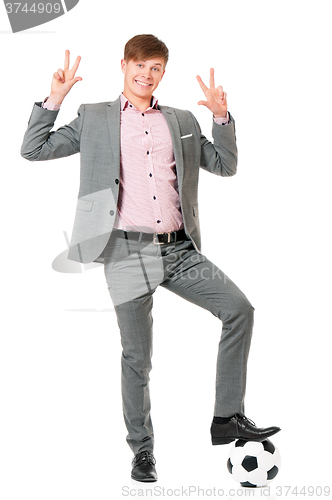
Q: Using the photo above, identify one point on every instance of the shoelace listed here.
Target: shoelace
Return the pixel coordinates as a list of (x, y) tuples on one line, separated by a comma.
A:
[(145, 457), (239, 417)]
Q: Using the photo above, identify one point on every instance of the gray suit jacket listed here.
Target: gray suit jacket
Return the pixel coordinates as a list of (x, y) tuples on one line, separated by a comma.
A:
[(95, 133)]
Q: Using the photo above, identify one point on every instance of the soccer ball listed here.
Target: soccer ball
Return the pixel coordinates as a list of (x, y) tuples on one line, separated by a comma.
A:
[(253, 463)]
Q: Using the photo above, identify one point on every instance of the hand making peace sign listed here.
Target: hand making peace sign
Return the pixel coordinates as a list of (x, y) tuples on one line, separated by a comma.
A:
[(216, 98), (64, 79)]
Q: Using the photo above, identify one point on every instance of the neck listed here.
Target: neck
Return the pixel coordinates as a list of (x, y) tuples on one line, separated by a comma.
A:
[(140, 103)]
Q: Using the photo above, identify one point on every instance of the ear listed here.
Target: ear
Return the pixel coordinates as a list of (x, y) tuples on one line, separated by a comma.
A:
[(123, 66)]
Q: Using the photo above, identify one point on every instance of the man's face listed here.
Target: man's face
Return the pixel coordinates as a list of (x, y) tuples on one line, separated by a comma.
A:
[(141, 78)]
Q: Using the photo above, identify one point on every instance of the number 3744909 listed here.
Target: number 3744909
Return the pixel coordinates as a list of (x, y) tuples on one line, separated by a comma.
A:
[(35, 8), (310, 491)]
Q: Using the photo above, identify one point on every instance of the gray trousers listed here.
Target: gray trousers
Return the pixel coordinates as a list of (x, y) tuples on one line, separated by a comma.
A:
[(133, 271)]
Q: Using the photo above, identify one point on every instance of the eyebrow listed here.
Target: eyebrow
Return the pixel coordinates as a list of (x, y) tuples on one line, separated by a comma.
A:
[(156, 64)]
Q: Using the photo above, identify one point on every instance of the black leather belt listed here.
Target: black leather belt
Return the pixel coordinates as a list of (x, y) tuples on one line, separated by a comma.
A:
[(156, 238)]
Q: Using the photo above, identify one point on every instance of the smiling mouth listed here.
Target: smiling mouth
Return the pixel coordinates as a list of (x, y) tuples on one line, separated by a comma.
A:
[(143, 84)]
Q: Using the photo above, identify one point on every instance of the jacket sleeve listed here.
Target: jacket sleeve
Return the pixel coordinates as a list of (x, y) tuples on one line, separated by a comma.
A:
[(219, 157), (39, 143)]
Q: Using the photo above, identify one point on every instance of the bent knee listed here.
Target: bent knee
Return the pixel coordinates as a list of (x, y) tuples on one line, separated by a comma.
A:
[(240, 310)]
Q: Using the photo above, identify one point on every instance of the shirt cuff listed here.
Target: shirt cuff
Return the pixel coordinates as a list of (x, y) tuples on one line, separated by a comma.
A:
[(50, 106), (222, 121)]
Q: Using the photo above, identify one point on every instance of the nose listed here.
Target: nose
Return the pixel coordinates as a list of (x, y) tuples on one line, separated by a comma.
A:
[(147, 73)]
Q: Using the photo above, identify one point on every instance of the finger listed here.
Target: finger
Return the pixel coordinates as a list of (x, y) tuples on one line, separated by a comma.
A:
[(223, 97), (67, 55), (76, 64), (75, 80), (61, 74), (56, 76), (202, 85), (222, 94), (212, 78), (200, 103)]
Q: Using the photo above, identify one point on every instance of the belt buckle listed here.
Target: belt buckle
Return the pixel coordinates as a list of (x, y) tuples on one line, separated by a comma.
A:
[(157, 242)]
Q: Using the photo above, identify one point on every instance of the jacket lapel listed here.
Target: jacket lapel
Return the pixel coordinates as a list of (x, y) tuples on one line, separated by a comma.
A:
[(113, 121), (175, 131)]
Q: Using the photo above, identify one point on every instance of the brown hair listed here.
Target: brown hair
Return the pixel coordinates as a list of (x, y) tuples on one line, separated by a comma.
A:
[(144, 47)]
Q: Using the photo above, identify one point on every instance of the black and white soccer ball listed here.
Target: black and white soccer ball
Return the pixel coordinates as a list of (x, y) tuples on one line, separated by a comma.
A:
[(253, 463)]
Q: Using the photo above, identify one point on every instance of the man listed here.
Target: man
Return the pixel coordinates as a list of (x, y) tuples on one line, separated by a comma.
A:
[(137, 213)]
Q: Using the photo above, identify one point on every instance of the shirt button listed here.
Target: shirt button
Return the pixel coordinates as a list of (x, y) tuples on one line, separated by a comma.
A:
[(148, 152), (111, 212), (143, 114), (158, 221), (154, 198), (116, 181), (146, 132), (150, 175)]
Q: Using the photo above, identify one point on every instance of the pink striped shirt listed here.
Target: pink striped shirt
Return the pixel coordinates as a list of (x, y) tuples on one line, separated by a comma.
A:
[(148, 196)]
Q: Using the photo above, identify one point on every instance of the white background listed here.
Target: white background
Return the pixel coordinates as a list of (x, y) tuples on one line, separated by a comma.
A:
[(268, 228)]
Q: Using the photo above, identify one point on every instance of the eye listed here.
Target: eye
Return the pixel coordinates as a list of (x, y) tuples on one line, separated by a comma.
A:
[(139, 65), (155, 69)]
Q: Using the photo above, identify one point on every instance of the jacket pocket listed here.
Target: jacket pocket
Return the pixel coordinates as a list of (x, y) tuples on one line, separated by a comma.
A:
[(195, 210), (85, 205)]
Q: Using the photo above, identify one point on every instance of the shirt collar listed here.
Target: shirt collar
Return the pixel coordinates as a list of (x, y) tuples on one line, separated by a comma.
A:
[(125, 103)]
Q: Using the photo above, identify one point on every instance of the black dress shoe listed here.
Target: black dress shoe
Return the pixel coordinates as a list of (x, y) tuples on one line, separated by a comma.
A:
[(240, 427), (144, 467)]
